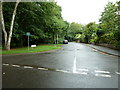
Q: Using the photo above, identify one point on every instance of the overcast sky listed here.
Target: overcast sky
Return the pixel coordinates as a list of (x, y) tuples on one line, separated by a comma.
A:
[(82, 11)]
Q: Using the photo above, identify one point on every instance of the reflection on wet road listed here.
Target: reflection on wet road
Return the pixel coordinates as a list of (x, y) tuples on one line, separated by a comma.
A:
[(75, 65)]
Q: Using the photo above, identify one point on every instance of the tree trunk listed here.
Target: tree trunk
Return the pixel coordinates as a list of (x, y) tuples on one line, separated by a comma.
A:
[(3, 24), (11, 26), (57, 39), (54, 39)]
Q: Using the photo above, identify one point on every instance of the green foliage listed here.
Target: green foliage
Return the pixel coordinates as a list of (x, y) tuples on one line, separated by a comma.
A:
[(90, 31), (42, 19), (46, 25), (109, 24), (108, 30), (77, 36), (74, 30)]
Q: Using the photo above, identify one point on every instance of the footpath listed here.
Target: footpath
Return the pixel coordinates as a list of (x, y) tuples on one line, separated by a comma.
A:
[(105, 50)]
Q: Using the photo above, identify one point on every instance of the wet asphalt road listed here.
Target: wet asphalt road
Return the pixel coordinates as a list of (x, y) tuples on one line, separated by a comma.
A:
[(75, 65)]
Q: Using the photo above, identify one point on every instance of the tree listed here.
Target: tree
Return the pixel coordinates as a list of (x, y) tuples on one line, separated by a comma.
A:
[(90, 31), (53, 22), (3, 25), (8, 38), (74, 29), (109, 23), (42, 19)]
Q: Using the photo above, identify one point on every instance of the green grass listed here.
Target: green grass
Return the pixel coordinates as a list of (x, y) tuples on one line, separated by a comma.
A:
[(39, 48)]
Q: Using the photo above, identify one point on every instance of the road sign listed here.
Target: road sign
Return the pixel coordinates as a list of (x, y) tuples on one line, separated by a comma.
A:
[(28, 33)]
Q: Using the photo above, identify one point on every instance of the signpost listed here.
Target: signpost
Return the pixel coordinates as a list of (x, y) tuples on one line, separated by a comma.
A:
[(28, 34)]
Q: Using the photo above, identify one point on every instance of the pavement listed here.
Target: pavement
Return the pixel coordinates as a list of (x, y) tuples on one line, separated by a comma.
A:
[(105, 50), (75, 65)]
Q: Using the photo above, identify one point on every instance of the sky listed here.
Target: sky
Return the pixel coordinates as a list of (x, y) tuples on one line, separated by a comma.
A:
[(82, 11)]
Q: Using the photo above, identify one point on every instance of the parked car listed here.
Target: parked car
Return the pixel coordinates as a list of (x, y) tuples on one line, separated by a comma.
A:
[(65, 41)]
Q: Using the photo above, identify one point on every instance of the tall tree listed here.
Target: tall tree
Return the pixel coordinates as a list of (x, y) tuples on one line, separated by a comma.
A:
[(42, 19), (3, 24), (109, 24), (8, 38)]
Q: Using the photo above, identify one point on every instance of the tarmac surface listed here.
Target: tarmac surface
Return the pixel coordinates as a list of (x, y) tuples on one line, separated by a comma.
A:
[(75, 65)]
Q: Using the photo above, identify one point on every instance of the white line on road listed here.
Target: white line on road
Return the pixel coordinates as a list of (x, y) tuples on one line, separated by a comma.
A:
[(95, 50), (84, 73), (102, 75), (103, 53), (5, 64), (83, 70), (118, 73), (63, 71), (15, 65), (97, 71), (74, 66), (28, 67), (42, 68)]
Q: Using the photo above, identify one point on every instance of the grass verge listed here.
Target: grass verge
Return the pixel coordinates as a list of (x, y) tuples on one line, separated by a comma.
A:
[(40, 48)]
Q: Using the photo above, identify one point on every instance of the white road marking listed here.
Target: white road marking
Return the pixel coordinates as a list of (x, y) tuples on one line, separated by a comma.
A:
[(63, 71), (102, 75), (83, 70), (118, 73), (5, 64), (103, 53), (95, 50), (15, 65), (42, 69), (83, 73), (28, 67), (74, 66), (97, 71)]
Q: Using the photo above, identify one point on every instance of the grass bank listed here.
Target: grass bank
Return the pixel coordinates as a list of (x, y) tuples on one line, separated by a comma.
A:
[(40, 48)]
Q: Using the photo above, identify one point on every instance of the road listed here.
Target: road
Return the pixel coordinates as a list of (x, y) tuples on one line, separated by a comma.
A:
[(75, 65)]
